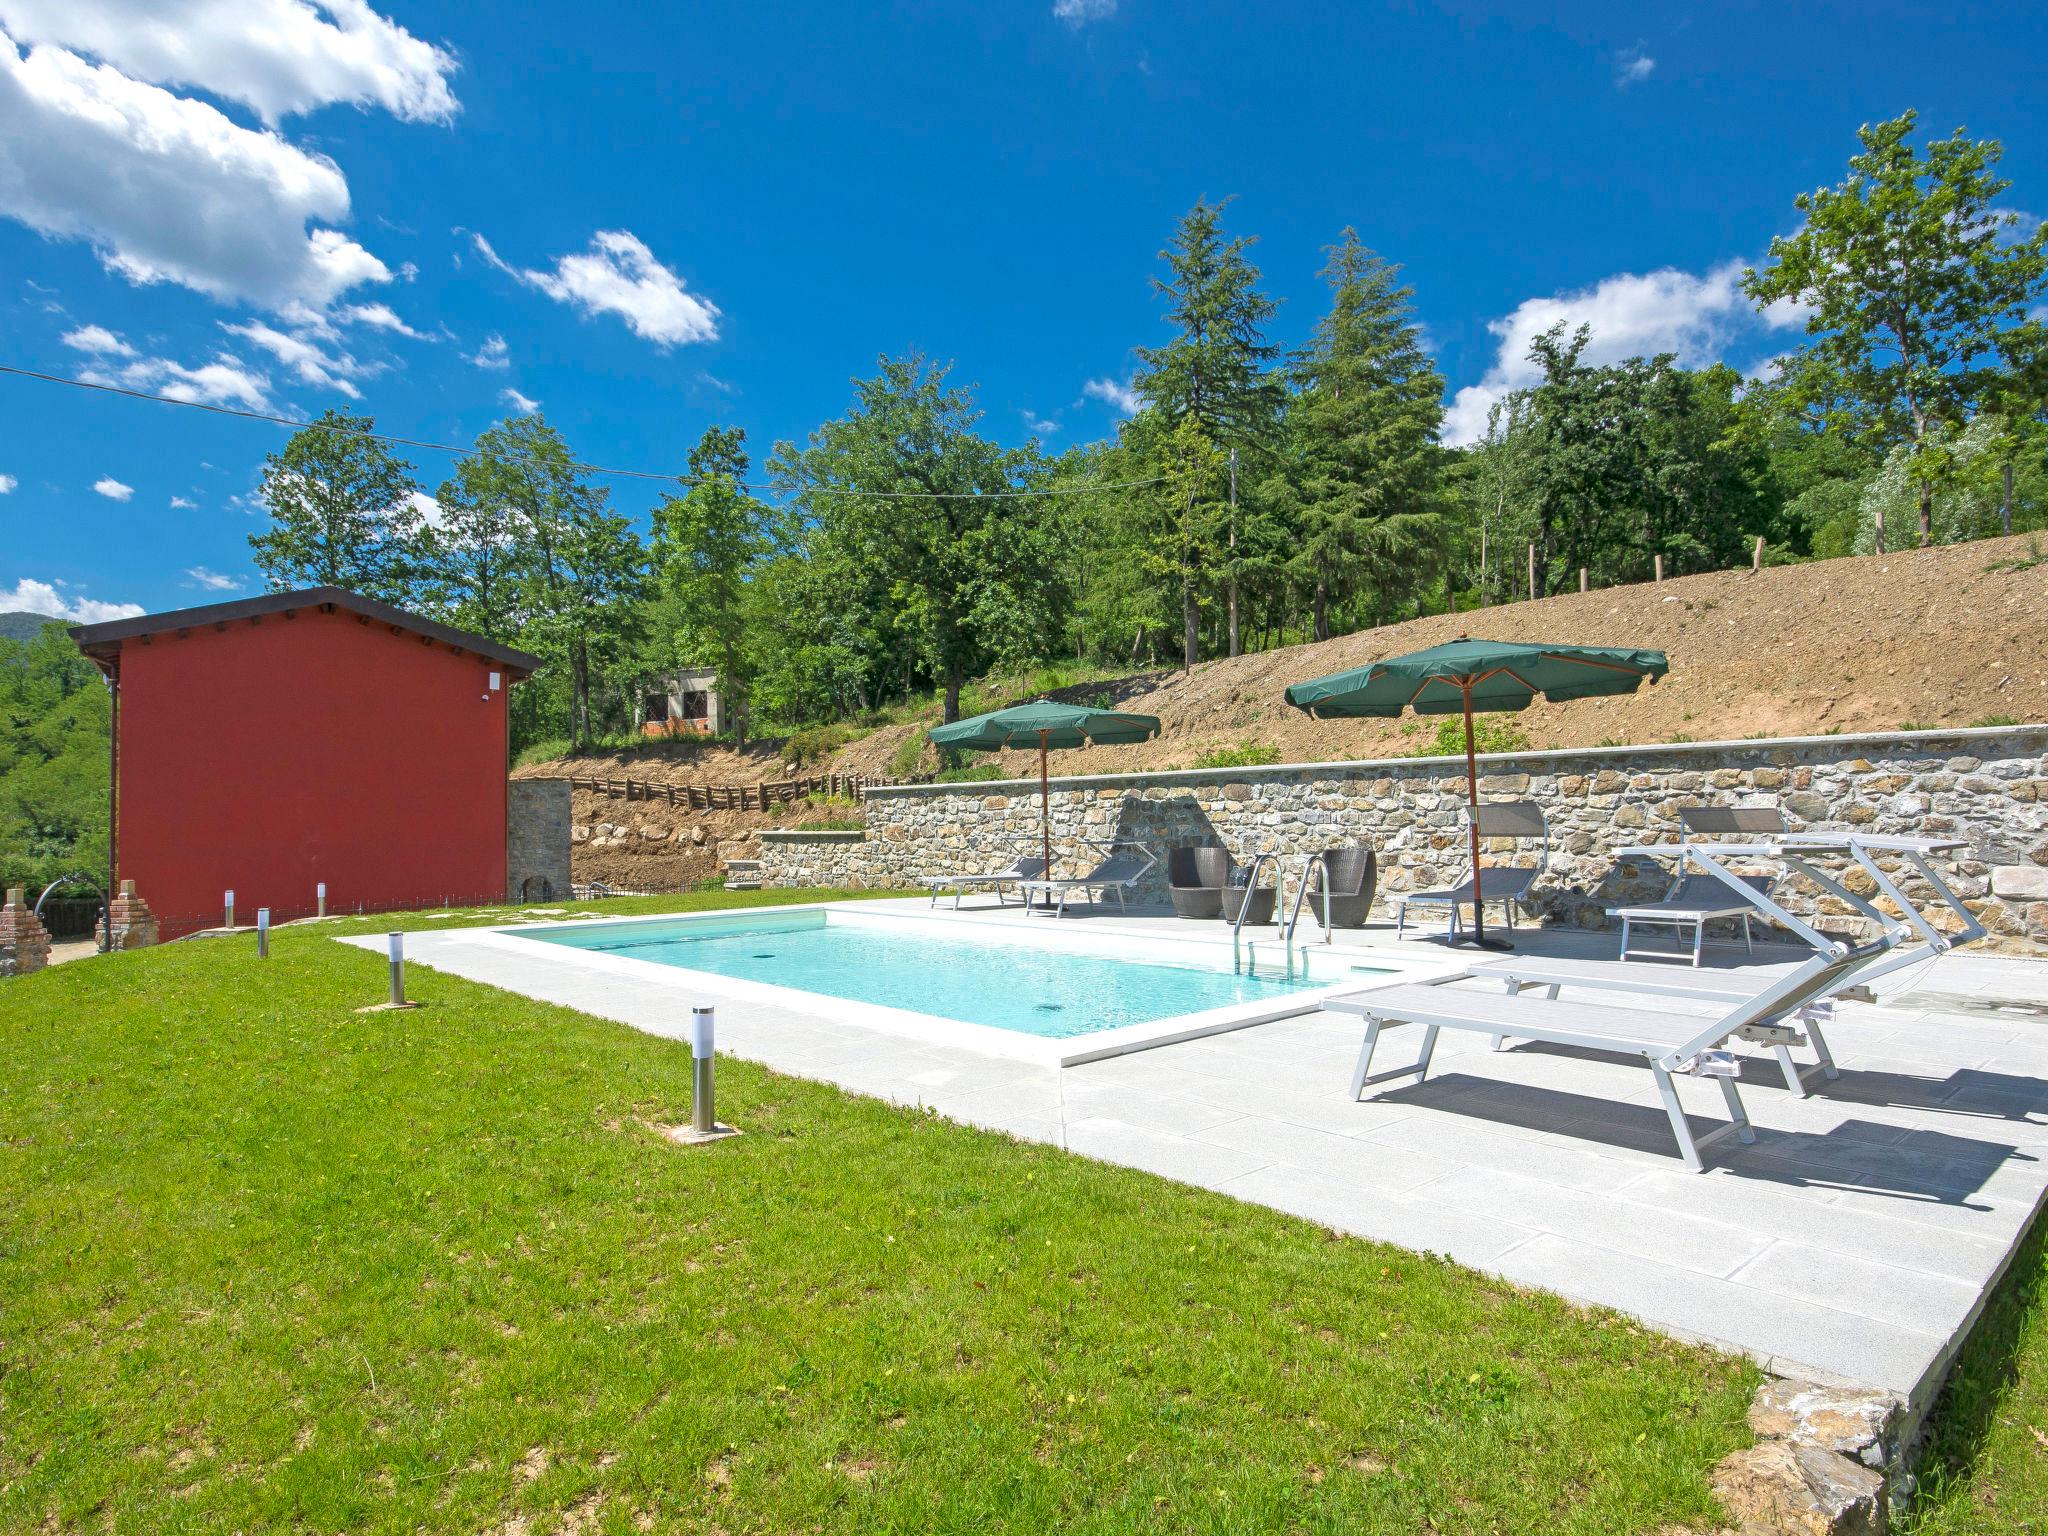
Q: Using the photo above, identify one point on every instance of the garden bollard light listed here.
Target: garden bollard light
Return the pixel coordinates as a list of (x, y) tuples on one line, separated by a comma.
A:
[(263, 933), (398, 970), (230, 903), (703, 1112), (320, 898)]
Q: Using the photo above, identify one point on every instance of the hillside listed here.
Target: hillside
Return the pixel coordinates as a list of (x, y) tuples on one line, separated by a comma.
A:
[(23, 626), (1945, 636)]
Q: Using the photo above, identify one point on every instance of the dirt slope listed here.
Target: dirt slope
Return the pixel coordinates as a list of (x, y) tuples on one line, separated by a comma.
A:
[(1933, 637)]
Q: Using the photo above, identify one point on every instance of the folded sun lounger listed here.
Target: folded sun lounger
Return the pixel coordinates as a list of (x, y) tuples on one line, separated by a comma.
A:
[(1014, 873), (1668, 1042), (1117, 874), (1507, 884)]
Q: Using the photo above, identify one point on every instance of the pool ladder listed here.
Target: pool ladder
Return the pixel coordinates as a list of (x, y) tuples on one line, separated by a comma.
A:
[(1243, 958)]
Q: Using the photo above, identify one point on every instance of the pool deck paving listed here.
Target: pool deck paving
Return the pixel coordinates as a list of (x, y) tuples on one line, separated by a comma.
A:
[(1855, 1241)]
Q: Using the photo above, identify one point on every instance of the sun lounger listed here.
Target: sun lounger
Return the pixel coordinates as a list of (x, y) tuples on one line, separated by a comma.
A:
[(1507, 884), (1707, 989), (1692, 902), (1118, 874), (1014, 873), (1667, 1042)]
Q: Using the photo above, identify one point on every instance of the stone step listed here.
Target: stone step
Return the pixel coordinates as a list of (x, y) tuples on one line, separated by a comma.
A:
[(743, 885)]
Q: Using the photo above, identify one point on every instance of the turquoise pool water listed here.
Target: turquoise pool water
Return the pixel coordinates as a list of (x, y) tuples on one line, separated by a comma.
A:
[(1025, 987)]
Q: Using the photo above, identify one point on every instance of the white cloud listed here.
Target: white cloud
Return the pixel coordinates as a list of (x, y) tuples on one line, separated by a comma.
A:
[(1633, 67), (227, 380), (1044, 426), (1697, 316), (618, 275), (213, 581), (492, 354), (98, 340), (168, 189), (113, 489), (380, 317), (7, 485), (428, 509), (1078, 13), (526, 405), (323, 370), (31, 596), (184, 503), (277, 56), (1119, 397)]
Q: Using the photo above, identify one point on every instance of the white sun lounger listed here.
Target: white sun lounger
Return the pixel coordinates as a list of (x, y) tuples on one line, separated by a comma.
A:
[(1709, 989), (1014, 873), (1668, 1043), (1117, 874)]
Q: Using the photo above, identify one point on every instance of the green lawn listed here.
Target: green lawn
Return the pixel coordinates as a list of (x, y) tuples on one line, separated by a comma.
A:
[(270, 1264), (1985, 1470)]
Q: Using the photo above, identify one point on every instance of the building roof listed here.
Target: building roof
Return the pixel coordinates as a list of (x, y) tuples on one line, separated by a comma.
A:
[(102, 642)]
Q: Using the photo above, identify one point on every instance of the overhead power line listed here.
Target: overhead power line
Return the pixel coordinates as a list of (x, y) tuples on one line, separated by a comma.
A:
[(460, 452)]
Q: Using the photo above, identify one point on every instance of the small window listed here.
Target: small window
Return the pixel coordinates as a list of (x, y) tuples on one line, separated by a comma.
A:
[(657, 709), (696, 704)]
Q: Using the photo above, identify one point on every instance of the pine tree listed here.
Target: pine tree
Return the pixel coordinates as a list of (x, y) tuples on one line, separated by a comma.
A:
[(1366, 416)]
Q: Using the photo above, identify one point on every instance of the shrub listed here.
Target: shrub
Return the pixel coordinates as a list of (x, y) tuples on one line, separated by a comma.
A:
[(1988, 721), (974, 773), (1490, 733), (908, 756), (1246, 754), (815, 743)]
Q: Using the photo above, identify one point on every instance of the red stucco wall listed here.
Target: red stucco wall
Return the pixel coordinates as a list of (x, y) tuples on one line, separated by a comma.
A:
[(268, 756)]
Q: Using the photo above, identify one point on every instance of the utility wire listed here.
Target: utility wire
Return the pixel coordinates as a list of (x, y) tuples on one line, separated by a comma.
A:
[(589, 469)]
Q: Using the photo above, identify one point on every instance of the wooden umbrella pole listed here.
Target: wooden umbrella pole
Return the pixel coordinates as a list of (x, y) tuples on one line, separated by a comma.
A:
[(1044, 806), (1472, 799)]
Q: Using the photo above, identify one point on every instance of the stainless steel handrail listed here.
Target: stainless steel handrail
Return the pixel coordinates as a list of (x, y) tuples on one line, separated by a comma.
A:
[(1244, 905)]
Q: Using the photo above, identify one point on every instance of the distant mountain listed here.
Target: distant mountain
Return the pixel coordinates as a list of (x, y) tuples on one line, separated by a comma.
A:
[(24, 626)]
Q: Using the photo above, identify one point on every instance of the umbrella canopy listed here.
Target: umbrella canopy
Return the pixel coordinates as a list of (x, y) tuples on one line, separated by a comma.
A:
[(1043, 723), (1495, 675), (1468, 676)]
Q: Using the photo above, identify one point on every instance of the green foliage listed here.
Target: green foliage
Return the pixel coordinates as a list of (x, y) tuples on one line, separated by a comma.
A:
[(1986, 722), (972, 773), (1916, 285), (53, 762), (908, 757), (1246, 754), (2033, 557), (709, 547), (341, 513), (1490, 733), (814, 744)]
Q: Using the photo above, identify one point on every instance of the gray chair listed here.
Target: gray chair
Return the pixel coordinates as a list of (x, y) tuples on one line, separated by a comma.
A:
[(1195, 878), (1692, 902), (1343, 882), (1506, 884)]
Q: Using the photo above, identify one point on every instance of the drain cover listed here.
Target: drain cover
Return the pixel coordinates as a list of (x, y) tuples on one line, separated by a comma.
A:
[(1050, 1007), (768, 955)]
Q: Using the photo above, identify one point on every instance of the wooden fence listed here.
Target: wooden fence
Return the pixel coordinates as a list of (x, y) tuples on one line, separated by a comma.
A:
[(732, 797)]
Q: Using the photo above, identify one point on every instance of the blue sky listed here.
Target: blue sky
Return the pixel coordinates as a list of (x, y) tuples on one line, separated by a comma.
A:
[(721, 213)]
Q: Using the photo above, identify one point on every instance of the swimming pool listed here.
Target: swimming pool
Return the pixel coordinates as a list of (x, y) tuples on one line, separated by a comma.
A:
[(1018, 983)]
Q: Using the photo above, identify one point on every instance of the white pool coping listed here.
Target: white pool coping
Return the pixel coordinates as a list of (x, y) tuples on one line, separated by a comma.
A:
[(1346, 970)]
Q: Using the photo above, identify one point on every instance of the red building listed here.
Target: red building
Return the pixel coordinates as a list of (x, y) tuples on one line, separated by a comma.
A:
[(272, 745)]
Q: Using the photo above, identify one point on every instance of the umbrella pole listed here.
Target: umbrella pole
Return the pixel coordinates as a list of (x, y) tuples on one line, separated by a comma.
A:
[(1478, 938), (1044, 806)]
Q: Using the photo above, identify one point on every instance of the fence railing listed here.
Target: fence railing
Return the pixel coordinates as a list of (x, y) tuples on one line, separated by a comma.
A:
[(731, 797)]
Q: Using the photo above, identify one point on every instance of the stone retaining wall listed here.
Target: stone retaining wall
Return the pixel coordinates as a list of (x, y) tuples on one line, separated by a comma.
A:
[(1988, 787), (538, 815)]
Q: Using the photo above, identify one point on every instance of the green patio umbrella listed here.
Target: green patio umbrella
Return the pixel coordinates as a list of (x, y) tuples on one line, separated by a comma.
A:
[(1470, 675), (1044, 724)]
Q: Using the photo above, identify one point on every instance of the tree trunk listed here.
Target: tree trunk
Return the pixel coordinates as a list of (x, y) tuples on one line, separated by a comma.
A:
[(579, 692), (1321, 608), (953, 681), (1233, 648), (1190, 623), (1926, 513), (2005, 506)]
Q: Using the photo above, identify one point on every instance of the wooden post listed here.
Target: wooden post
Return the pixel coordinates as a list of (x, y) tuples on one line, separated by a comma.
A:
[(1756, 558), (1582, 578), (1657, 564), (1532, 571)]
